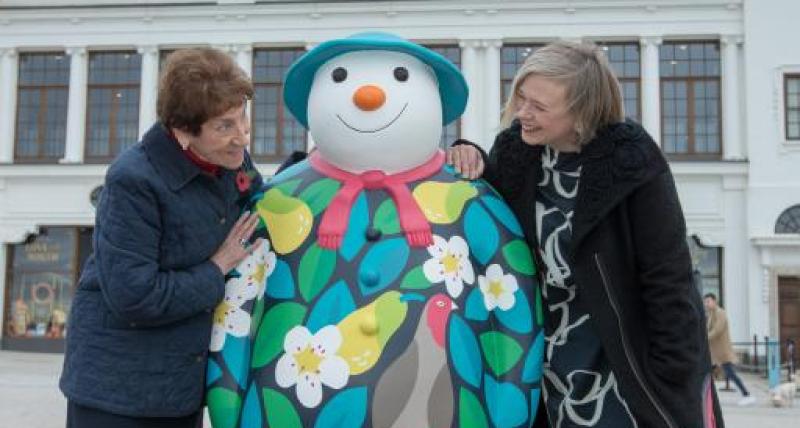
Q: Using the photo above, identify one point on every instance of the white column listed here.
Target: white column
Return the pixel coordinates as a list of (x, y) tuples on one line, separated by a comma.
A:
[(492, 101), (735, 255), (3, 283), (244, 57), (731, 119), (76, 113), (8, 101), (149, 88), (470, 67), (651, 87)]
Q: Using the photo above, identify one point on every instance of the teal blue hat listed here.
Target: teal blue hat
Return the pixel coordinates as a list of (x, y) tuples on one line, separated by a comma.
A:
[(452, 86)]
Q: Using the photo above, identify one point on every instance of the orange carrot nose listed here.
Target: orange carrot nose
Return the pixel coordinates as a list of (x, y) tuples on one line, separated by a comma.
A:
[(369, 97)]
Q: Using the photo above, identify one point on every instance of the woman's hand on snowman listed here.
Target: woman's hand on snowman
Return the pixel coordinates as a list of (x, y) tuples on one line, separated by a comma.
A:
[(466, 160)]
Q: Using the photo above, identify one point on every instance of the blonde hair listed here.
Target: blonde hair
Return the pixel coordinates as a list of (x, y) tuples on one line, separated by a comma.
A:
[(594, 97)]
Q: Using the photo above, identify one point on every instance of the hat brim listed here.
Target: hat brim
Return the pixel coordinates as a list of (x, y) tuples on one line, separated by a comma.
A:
[(453, 89)]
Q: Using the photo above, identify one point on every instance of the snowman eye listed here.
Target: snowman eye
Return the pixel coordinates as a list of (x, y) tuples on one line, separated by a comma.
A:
[(401, 74), (339, 74)]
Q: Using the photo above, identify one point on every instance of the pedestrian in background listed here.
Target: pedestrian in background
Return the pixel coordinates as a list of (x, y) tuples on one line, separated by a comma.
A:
[(719, 340)]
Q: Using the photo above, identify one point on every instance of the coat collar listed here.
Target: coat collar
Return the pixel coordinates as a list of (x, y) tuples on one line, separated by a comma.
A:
[(165, 155), (619, 159)]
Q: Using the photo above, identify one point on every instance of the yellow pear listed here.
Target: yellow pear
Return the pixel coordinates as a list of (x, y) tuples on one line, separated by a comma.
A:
[(288, 220)]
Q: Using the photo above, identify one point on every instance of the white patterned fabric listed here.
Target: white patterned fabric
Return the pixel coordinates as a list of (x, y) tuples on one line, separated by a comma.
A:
[(580, 389)]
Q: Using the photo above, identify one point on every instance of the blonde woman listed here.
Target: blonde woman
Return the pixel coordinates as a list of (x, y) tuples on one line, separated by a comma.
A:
[(625, 330)]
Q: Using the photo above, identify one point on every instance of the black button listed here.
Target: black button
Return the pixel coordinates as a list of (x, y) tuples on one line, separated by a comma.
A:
[(373, 234), (222, 220)]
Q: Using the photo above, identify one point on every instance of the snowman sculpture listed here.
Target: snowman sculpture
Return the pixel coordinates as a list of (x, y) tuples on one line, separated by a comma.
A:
[(389, 292)]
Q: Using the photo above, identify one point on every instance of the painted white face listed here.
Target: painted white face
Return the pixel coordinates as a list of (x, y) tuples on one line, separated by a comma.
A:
[(375, 110)]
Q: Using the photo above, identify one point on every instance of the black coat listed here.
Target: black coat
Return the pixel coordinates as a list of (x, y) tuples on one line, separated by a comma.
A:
[(630, 258)]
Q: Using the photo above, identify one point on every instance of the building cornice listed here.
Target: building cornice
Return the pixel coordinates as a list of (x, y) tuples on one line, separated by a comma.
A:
[(784, 240), (303, 21)]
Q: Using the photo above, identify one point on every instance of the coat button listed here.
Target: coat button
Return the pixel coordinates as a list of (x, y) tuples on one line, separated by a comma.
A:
[(133, 324), (200, 358), (373, 234), (222, 220)]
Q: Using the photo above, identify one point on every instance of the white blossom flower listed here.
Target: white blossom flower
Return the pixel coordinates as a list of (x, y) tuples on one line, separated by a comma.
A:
[(257, 267), (449, 263), (310, 361), (229, 317), (498, 289)]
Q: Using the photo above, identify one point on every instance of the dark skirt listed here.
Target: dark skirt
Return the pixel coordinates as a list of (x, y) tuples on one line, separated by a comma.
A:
[(86, 417)]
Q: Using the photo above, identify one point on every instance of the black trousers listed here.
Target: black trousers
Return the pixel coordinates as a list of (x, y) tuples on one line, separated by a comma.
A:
[(86, 417)]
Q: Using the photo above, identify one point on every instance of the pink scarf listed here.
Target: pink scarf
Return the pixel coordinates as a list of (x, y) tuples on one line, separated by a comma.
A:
[(413, 222)]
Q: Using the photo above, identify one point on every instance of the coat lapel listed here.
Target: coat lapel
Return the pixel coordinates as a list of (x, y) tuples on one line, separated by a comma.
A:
[(620, 159)]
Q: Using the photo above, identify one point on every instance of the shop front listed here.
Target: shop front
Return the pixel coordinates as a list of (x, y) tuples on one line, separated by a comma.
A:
[(41, 275)]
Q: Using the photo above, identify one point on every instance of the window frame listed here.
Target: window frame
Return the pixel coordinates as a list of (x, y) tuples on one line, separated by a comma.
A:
[(281, 110), (456, 124), (622, 80), (786, 110), (691, 80), (514, 45), (42, 104), (113, 144)]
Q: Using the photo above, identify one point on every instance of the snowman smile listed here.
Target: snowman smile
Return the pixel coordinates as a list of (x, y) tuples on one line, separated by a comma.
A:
[(370, 131)]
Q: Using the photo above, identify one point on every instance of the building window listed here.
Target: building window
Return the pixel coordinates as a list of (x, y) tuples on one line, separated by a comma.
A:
[(511, 59), (275, 132), (789, 221), (112, 118), (707, 267), (452, 131), (42, 98), (42, 273), (791, 105), (625, 59), (690, 99)]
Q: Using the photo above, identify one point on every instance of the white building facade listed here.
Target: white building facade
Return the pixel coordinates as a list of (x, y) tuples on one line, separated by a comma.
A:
[(711, 80)]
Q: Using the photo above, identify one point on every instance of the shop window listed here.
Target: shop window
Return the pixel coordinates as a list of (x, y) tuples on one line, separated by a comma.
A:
[(41, 277)]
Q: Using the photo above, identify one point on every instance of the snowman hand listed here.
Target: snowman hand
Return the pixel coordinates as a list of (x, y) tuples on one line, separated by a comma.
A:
[(466, 160)]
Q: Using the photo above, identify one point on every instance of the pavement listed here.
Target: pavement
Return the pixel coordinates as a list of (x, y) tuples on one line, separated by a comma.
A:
[(30, 398)]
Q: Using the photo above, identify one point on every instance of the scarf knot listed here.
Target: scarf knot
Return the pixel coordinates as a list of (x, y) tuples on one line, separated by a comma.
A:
[(334, 221)]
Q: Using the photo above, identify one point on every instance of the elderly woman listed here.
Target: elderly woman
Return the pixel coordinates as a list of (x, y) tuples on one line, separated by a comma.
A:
[(168, 228), (625, 334)]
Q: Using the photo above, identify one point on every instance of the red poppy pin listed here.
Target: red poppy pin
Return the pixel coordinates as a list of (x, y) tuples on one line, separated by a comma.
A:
[(242, 181)]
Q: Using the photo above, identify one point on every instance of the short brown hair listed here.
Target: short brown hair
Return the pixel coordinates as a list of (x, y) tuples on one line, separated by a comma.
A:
[(198, 84), (593, 94)]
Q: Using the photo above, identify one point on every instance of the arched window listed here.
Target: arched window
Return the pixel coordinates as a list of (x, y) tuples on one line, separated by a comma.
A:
[(789, 221)]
